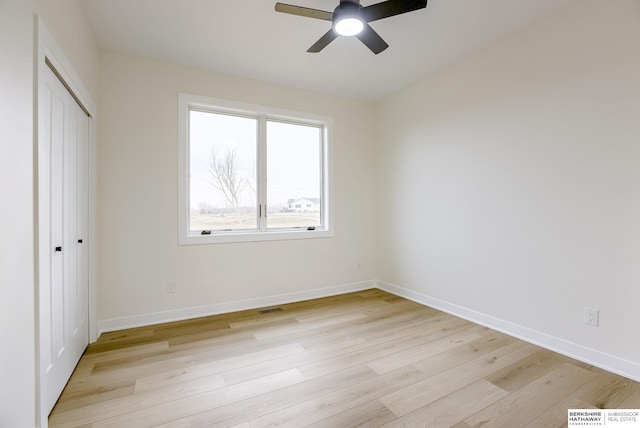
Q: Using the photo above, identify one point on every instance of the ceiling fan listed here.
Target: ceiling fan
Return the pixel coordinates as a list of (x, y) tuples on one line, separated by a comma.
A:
[(350, 18)]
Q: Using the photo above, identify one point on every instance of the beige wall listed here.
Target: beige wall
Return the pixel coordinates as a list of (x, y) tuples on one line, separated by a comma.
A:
[(138, 146), (510, 183), (66, 22), (17, 359)]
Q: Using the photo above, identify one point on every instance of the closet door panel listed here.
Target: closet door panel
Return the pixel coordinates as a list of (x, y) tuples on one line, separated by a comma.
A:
[(63, 211), (78, 189), (58, 130)]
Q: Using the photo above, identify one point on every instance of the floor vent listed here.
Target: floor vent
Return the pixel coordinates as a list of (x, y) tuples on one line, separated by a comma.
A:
[(268, 311)]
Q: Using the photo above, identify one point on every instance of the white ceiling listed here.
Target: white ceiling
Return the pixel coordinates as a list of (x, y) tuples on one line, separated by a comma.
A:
[(248, 38)]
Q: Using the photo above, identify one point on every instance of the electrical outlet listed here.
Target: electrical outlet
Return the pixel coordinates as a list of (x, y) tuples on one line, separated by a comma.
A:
[(358, 266), (171, 287), (591, 316)]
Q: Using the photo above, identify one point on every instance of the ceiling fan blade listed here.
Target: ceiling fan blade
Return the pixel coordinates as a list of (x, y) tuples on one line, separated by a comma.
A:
[(391, 8), (372, 40), (322, 43), (304, 11)]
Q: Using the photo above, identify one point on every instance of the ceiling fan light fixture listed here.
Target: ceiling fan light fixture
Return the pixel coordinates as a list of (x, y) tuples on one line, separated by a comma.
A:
[(350, 18), (348, 26)]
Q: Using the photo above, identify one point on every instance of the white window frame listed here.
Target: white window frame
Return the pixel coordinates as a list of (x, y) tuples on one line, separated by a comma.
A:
[(187, 102)]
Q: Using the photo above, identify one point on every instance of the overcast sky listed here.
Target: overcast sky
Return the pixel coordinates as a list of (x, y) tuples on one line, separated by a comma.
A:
[(293, 158)]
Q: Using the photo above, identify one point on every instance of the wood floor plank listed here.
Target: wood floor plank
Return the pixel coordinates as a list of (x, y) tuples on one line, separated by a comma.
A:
[(214, 367), (415, 396), (632, 401), (118, 377), (257, 406), (370, 414), (230, 343), (129, 356), (307, 327), (523, 372), (96, 395), (365, 359), (222, 358), (118, 353), (340, 400), (439, 363), (193, 405), (425, 349), (120, 340), (452, 408), (605, 391), (385, 348), (520, 408), (398, 320), (556, 416), (139, 400), (395, 320)]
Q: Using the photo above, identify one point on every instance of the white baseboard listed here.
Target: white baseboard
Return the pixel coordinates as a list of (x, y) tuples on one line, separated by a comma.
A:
[(115, 324), (590, 356)]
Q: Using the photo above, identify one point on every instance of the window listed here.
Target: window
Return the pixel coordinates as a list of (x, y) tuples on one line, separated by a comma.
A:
[(251, 173)]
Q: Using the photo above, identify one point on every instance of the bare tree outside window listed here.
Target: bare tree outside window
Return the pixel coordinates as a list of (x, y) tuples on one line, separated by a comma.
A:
[(222, 150), (225, 177)]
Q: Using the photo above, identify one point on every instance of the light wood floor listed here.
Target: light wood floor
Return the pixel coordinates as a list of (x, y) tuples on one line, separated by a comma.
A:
[(362, 359)]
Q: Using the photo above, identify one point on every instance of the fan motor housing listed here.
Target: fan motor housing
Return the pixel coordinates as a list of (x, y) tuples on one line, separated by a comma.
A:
[(346, 9)]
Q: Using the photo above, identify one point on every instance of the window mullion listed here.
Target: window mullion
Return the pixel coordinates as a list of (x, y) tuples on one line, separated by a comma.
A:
[(262, 172)]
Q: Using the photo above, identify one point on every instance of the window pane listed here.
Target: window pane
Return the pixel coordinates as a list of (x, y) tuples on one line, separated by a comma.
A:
[(294, 173), (222, 183)]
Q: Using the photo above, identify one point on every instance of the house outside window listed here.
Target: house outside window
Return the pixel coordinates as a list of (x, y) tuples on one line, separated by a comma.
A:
[(250, 173)]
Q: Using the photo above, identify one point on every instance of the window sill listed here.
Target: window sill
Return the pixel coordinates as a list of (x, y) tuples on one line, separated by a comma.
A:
[(252, 236)]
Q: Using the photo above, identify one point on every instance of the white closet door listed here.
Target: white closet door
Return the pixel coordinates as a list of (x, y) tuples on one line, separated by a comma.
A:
[(81, 303), (63, 210), (77, 218)]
